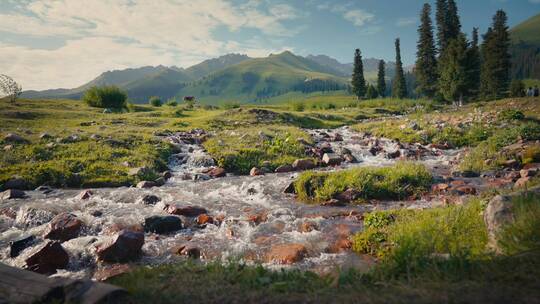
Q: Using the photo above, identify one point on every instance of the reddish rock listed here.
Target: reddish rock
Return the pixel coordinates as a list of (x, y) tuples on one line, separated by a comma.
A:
[(284, 169), (500, 182), (528, 172), (286, 253), (8, 212), (258, 218), (189, 250), (303, 164), (531, 166), (217, 172), (84, 195), (63, 227), (116, 227), (513, 175), (189, 211), (125, 246), (48, 258), (440, 187), (340, 245), (457, 183), (256, 171), (308, 227), (205, 219), (108, 272), (465, 190), (522, 182)]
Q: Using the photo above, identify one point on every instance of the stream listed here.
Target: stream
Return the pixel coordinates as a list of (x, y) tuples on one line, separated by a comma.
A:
[(254, 214)]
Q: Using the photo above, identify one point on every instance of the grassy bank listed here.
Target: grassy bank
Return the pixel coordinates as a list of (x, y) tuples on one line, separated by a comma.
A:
[(396, 182)]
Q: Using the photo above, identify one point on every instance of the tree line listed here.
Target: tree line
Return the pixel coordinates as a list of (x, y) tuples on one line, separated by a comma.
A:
[(449, 66)]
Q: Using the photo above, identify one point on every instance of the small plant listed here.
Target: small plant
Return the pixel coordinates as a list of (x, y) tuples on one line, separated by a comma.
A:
[(531, 155), (298, 106), (105, 97), (511, 114), (172, 102), (155, 101), (231, 105)]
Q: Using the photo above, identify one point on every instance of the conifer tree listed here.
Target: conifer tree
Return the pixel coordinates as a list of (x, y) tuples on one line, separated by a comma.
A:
[(381, 79), (495, 71), (453, 70), (473, 66), (453, 25), (440, 18), (358, 81), (399, 86), (426, 62), (371, 92)]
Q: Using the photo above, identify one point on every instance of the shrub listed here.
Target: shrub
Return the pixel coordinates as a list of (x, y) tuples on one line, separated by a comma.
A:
[(530, 131), (531, 155), (230, 105), (298, 106), (511, 114), (397, 182), (172, 102), (155, 101), (105, 97), (517, 88)]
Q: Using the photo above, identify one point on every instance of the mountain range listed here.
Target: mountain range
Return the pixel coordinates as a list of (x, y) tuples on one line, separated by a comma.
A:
[(229, 77)]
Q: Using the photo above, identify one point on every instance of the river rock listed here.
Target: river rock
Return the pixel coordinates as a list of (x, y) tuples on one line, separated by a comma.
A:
[(12, 194), (125, 246), (256, 171), (63, 227), (189, 211), (150, 199), (48, 258), (350, 158), (15, 138), (337, 137), (16, 183), (146, 184), (162, 224), (44, 189), (464, 190), (141, 171), (286, 253), (166, 174), (303, 164), (111, 271), (188, 250), (17, 246), (349, 195), (394, 154), (528, 172), (522, 182), (331, 159), (217, 172), (45, 135), (204, 219), (85, 194), (498, 213), (284, 169), (290, 189)]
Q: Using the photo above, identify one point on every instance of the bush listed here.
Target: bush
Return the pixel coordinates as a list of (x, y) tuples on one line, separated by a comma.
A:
[(172, 102), (397, 182), (517, 88), (105, 97), (531, 155), (298, 106), (511, 114), (530, 131), (155, 101), (230, 105)]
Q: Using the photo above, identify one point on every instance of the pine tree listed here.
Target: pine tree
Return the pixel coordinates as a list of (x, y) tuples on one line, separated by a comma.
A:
[(399, 86), (371, 92), (358, 81), (453, 70), (381, 79), (495, 71), (426, 62), (473, 66), (453, 25), (440, 18)]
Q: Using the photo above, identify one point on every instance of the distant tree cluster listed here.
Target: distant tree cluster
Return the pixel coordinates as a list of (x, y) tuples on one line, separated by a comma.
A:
[(458, 69), (105, 97), (319, 85)]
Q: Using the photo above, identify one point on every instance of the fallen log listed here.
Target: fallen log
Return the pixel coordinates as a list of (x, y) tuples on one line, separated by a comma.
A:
[(22, 286)]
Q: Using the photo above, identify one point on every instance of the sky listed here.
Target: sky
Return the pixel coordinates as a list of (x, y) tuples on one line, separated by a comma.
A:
[(48, 44)]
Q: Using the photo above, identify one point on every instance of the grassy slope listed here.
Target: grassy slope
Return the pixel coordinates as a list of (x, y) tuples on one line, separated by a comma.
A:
[(528, 31)]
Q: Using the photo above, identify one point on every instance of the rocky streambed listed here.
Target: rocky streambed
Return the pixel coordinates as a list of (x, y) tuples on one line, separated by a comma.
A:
[(200, 212)]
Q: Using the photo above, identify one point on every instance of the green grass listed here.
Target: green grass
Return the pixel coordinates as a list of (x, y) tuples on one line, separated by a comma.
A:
[(523, 235), (397, 182)]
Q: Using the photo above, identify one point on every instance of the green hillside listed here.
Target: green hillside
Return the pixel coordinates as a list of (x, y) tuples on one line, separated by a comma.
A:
[(527, 31), (263, 78)]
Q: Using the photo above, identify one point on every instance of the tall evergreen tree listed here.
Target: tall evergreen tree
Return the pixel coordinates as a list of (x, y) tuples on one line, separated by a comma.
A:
[(495, 71), (440, 18), (399, 86), (453, 25), (358, 81), (426, 62), (453, 70), (473, 66), (381, 79)]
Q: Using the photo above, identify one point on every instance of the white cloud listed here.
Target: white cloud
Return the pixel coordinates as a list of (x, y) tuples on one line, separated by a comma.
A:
[(534, 1), (100, 35), (401, 22), (358, 17)]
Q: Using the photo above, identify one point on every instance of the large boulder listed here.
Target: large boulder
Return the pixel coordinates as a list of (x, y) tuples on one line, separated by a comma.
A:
[(63, 227), (17, 246), (48, 258), (85, 194), (284, 169), (499, 213), (146, 184), (217, 172), (256, 171), (16, 183), (331, 159), (15, 138), (303, 164), (162, 224), (11, 194), (286, 253), (125, 246), (189, 211)]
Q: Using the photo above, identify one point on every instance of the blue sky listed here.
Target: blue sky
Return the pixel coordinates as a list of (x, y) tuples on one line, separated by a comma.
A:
[(65, 43)]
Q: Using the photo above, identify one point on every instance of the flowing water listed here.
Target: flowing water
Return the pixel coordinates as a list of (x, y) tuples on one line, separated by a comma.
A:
[(234, 199)]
